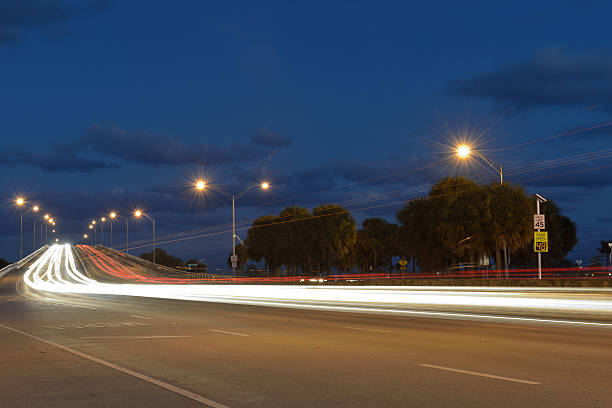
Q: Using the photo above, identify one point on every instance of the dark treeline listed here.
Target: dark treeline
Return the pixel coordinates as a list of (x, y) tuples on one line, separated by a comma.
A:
[(460, 223)]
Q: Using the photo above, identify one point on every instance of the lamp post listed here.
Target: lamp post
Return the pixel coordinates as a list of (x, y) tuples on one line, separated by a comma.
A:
[(103, 219), (201, 186), (111, 216), (49, 222), (95, 228), (464, 151), (140, 213), (85, 238), (35, 209)]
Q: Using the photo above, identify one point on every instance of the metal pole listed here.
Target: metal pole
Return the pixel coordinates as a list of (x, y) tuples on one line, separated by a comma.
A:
[(111, 238), (21, 237), (539, 253), (153, 240), (234, 233), (96, 234), (47, 233), (34, 247), (127, 235), (102, 230), (501, 175), (41, 240)]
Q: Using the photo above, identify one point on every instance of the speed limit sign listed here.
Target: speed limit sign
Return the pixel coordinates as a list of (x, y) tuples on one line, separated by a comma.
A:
[(539, 222)]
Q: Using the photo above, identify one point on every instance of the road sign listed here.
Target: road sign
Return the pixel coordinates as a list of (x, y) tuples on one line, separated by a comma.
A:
[(234, 264), (610, 244), (539, 221), (403, 262), (234, 258), (540, 241)]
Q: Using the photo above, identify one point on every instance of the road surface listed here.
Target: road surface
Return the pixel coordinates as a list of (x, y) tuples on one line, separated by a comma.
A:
[(73, 350)]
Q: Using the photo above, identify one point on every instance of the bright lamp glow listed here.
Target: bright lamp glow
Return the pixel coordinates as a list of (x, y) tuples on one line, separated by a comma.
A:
[(91, 227), (93, 222), (463, 151), (137, 213), (35, 208), (85, 236), (103, 219), (20, 201), (46, 216), (265, 185), (200, 185), (113, 215)]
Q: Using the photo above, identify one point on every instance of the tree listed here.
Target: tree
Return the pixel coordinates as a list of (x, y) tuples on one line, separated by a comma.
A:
[(605, 249), (3, 263), (335, 233), (163, 258), (509, 221), (381, 238), (263, 241)]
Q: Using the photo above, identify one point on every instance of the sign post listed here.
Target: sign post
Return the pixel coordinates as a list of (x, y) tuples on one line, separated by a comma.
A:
[(539, 224)]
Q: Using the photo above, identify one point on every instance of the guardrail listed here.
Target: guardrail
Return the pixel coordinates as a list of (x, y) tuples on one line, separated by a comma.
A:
[(16, 265)]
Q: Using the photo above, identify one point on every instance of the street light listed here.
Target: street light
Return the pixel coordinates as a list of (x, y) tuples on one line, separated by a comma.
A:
[(103, 219), (465, 151), (201, 185), (140, 213), (35, 209), (112, 216)]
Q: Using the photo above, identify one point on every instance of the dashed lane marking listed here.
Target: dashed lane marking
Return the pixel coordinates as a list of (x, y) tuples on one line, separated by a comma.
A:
[(187, 394), (370, 330), (93, 325), (229, 332), (495, 377), (140, 317), (134, 337)]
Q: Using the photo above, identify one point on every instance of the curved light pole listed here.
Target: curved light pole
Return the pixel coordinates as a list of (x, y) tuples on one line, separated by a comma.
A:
[(464, 152), (20, 202), (201, 185), (140, 213)]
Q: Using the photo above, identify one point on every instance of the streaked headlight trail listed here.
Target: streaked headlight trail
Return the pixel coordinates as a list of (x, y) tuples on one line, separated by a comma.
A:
[(56, 271)]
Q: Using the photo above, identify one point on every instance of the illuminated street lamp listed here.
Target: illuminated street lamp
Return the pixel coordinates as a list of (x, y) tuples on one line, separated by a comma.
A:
[(20, 202), (464, 152), (140, 213), (111, 217), (201, 186), (103, 219), (35, 209)]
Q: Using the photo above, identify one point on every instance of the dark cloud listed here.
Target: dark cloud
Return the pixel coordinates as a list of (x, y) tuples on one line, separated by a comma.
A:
[(551, 78), (151, 149), (47, 16), (62, 158), (264, 137)]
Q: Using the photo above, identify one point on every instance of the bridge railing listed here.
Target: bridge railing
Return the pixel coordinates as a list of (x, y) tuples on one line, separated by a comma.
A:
[(16, 265)]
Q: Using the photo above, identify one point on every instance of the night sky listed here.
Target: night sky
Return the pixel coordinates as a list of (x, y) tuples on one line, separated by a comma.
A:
[(123, 104)]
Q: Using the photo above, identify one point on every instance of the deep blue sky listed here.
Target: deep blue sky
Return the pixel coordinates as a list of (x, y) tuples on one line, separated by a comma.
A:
[(112, 104)]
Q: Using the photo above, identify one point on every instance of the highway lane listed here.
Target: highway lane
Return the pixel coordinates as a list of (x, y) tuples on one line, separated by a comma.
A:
[(251, 356)]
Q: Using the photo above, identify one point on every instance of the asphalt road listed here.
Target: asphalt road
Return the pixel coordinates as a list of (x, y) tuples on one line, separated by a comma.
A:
[(65, 350)]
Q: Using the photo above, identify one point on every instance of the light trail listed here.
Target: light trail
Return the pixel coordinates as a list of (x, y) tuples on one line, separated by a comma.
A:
[(55, 271)]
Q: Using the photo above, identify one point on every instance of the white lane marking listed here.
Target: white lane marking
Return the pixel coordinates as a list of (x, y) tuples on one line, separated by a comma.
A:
[(229, 332), (151, 380), (134, 337), (370, 330), (140, 317), (94, 325), (495, 377)]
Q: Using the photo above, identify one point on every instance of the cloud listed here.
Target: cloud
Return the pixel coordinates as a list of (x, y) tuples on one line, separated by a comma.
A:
[(47, 16), (151, 149), (264, 137), (62, 158), (552, 78)]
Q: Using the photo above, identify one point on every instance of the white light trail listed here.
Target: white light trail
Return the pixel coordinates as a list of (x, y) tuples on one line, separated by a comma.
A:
[(56, 271)]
